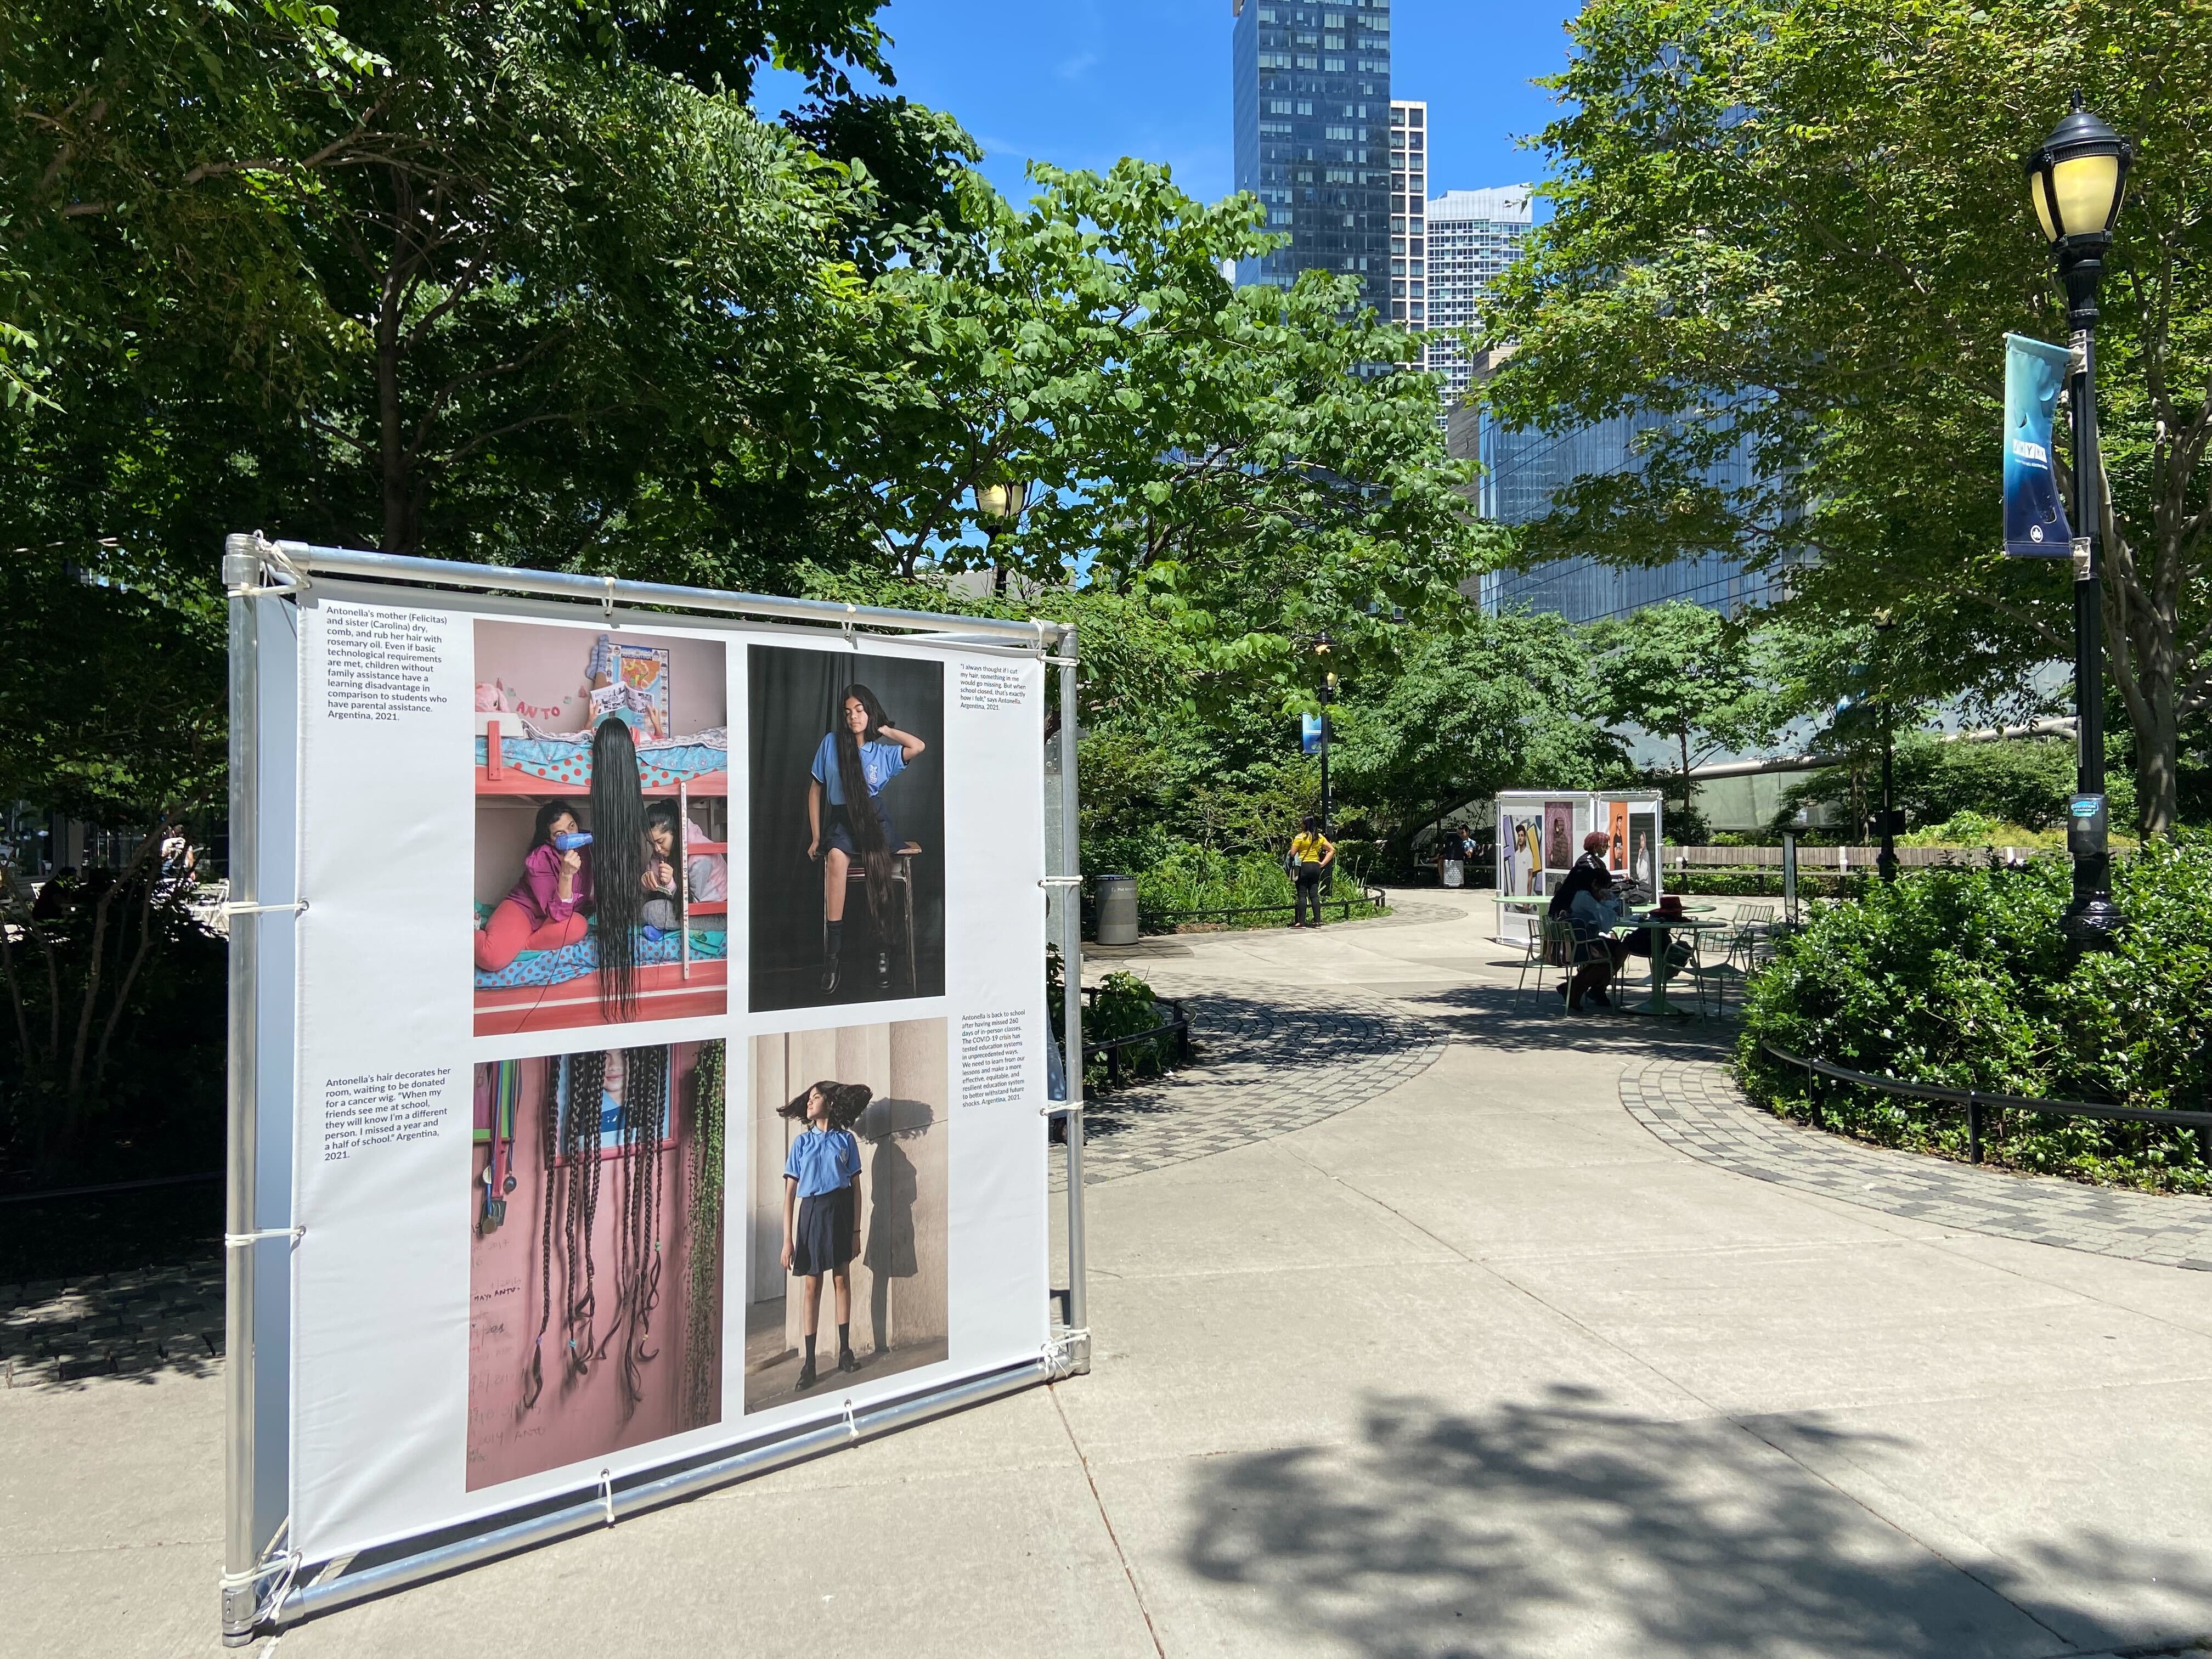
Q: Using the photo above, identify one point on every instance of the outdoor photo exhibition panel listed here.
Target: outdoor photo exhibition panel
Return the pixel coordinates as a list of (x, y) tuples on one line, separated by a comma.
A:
[(1540, 836), (639, 1050)]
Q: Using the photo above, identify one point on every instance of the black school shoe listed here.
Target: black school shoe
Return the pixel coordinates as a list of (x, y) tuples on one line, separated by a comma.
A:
[(828, 975), (846, 1361), (807, 1375), (883, 970)]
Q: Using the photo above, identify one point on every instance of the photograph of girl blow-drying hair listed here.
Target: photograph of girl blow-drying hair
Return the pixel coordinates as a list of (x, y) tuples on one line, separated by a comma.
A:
[(602, 782), (848, 1209), (848, 813)]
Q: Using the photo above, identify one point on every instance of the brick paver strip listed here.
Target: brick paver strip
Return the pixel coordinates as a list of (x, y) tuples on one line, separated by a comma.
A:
[(1273, 1060), (56, 1332), (1696, 1106)]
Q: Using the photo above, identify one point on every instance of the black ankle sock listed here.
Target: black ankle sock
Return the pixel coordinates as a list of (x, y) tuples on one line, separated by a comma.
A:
[(837, 937), (844, 1338)]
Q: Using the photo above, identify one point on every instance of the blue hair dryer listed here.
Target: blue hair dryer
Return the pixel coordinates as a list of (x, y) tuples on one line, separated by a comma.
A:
[(569, 843)]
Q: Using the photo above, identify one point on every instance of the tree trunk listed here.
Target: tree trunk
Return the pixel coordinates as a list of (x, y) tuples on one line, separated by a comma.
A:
[(392, 449)]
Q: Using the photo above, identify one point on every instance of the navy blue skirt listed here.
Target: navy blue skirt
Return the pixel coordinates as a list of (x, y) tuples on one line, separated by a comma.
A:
[(822, 1240), (839, 831)]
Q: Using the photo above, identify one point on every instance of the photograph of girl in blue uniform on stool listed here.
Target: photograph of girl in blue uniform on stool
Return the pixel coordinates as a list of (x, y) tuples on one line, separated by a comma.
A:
[(845, 760)]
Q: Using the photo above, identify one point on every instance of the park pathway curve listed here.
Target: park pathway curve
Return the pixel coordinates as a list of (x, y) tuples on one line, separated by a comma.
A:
[(1696, 1106)]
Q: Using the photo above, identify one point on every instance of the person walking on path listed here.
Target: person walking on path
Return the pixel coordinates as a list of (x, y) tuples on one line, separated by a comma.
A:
[(1311, 853)]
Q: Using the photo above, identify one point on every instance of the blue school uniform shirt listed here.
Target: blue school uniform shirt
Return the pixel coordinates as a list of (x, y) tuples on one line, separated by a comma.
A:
[(823, 1160), (879, 763)]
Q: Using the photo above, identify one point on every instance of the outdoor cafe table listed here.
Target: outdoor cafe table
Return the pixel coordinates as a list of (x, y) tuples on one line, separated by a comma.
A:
[(1660, 927)]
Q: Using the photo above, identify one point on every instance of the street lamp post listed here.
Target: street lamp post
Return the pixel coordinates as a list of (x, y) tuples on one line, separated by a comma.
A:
[(1327, 697), (1000, 506), (2077, 180), (1887, 864)]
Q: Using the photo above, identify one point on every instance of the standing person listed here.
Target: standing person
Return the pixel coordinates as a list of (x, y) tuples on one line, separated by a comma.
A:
[(1453, 862), (822, 1209), (1311, 853)]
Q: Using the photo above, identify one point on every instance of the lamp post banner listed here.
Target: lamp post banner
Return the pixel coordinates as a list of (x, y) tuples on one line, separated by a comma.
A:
[(2034, 517)]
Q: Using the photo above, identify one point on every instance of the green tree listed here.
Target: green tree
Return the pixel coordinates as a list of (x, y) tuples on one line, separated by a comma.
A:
[(1688, 675), (473, 280), (1508, 703), (1218, 449), (1802, 222)]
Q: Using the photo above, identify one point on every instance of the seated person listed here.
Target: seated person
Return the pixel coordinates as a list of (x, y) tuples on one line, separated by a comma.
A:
[(550, 905), (660, 913), (1586, 900), (707, 874)]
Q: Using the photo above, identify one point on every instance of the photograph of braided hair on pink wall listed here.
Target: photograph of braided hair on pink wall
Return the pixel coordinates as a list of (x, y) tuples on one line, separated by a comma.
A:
[(595, 1267)]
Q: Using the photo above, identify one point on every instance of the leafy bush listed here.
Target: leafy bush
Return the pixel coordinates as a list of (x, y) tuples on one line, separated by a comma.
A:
[(1185, 878), (1959, 977), (1123, 1005)]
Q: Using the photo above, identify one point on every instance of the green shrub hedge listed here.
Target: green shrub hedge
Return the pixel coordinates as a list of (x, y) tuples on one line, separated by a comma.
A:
[(1756, 883), (1960, 977)]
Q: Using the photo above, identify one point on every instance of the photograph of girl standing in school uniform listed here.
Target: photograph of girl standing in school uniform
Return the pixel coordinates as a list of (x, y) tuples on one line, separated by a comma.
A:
[(847, 1262), (847, 818)]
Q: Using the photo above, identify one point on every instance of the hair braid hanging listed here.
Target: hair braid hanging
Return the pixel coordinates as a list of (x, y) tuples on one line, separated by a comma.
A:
[(587, 1074), (533, 1375), (703, 1222), (617, 866)]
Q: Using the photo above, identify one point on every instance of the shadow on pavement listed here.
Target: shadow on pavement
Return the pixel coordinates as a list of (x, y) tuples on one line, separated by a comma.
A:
[(1570, 1527), (1263, 1042), (1499, 1016)]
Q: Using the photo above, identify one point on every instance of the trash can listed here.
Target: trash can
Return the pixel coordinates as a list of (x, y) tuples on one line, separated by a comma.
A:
[(1117, 909)]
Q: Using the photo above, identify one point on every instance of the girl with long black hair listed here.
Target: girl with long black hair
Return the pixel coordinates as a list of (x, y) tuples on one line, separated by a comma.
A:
[(549, 904), (855, 762), (822, 1209), (619, 847)]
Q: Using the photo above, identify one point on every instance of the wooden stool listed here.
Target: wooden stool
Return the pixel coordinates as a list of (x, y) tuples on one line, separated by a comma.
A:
[(903, 879)]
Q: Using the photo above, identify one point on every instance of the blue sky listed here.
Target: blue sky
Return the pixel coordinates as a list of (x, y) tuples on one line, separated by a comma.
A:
[(1082, 82)]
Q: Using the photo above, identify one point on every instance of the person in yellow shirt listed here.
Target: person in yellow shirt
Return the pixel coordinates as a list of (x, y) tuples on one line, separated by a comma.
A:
[(1311, 853)]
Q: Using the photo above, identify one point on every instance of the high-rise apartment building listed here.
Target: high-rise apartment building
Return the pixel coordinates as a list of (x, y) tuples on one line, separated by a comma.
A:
[(1409, 200), (1312, 110), (1473, 235)]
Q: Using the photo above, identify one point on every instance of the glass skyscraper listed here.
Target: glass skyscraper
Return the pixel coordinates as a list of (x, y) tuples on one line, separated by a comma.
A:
[(1473, 234), (1522, 470), (1312, 111)]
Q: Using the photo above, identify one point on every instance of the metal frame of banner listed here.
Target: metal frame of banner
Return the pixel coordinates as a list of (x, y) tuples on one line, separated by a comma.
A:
[(266, 1586)]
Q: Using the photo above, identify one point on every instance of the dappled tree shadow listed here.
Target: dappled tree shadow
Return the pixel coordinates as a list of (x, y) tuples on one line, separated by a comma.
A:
[(1568, 1525), (136, 1326), (1255, 1040), (1501, 1017)]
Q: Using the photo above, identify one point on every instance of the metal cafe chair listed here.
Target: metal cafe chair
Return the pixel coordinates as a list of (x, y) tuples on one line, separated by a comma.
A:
[(1562, 948)]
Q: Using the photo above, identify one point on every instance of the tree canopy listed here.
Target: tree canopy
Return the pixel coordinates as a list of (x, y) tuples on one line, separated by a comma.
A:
[(1803, 222)]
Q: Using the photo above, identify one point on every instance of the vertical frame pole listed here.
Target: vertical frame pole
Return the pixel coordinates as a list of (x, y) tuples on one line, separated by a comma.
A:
[(1071, 1024), (241, 1549)]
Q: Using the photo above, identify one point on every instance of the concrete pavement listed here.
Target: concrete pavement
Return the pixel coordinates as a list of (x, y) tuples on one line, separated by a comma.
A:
[(1478, 1366)]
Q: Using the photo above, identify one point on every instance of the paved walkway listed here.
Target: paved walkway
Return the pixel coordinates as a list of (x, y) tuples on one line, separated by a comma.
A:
[(1270, 1063), (1477, 1368), (1695, 1107)]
